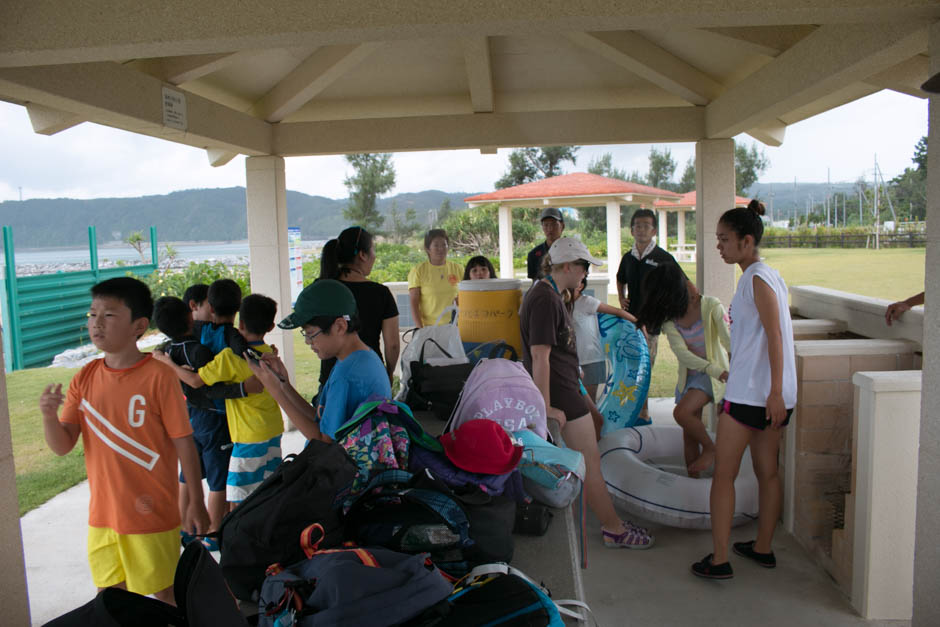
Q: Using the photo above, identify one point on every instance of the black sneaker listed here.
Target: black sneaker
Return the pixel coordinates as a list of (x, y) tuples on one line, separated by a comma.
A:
[(746, 549), (706, 569)]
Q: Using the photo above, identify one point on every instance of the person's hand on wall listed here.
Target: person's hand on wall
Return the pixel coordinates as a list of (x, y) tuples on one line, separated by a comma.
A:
[(894, 310)]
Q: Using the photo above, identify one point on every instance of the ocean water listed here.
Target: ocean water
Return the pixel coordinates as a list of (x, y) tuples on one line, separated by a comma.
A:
[(188, 251)]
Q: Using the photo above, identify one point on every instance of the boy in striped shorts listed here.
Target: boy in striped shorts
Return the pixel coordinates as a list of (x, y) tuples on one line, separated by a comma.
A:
[(254, 421)]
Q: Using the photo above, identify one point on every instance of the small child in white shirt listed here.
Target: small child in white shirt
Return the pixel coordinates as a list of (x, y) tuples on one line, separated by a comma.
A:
[(584, 310)]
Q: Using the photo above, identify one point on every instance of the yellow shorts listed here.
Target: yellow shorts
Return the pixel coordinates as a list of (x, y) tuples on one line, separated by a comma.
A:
[(146, 561)]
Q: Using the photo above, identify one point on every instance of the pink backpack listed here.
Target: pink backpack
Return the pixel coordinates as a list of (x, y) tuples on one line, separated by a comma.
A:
[(503, 391)]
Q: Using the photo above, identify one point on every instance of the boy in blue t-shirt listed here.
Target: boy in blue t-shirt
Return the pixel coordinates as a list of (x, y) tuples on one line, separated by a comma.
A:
[(326, 314)]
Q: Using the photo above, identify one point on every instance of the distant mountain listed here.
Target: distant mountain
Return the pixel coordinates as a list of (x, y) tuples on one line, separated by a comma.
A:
[(189, 215), (790, 199)]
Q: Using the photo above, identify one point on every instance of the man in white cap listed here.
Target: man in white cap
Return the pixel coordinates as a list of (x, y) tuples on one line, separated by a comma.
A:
[(553, 225)]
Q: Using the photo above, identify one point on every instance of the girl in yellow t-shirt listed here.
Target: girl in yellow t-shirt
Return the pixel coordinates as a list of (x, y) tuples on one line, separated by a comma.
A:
[(432, 285)]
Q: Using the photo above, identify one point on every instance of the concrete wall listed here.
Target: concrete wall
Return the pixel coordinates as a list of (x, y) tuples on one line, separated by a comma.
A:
[(14, 602), (863, 315), (884, 494), (818, 446)]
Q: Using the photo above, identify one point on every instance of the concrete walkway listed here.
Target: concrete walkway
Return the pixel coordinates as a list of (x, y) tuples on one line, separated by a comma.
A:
[(623, 587), (55, 543)]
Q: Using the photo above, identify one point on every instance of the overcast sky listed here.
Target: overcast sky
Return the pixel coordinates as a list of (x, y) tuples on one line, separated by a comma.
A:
[(91, 161)]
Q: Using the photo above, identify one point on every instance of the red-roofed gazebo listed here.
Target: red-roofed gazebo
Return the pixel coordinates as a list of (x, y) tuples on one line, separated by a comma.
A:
[(685, 203), (578, 189)]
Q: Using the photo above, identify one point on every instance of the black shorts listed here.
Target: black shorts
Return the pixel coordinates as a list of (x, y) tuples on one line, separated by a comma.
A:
[(750, 416), (213, 445)]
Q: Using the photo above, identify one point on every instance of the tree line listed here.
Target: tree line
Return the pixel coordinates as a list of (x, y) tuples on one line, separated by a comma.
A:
[(477, 230)]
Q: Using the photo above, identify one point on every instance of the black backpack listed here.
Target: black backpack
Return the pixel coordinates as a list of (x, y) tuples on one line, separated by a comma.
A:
[(409, 514), (306, 488), (202, 598)]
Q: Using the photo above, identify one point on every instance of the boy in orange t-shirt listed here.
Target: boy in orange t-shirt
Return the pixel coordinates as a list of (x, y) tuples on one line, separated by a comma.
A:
[(132, 417)]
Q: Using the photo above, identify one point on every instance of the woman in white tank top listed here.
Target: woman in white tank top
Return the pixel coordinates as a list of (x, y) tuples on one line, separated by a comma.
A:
[(760, 394)]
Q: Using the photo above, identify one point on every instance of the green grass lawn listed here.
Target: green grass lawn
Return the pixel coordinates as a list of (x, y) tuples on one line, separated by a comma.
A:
[(40, 474), (893, 274)]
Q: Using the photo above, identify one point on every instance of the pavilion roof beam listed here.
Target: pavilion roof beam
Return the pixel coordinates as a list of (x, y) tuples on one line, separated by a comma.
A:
[(218, 157), (48, 121), (830, 58), (770, 133), (114, 95), (42, 32), (179, 70), (642, 57), (311, 77), (470, 131), (476, 54), (766, 40), (905, 77)]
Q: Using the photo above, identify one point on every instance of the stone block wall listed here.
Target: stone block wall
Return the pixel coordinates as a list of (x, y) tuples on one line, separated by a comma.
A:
[(822, 442)]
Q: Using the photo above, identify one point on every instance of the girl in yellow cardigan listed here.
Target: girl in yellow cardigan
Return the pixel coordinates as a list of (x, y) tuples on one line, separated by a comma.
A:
[(697, 329)]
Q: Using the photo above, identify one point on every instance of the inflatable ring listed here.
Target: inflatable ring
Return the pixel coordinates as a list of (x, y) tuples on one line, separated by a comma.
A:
[(629, 380), (635, 463)]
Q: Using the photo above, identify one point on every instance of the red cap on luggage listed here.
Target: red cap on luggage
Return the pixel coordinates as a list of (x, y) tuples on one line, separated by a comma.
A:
[(482, 446)]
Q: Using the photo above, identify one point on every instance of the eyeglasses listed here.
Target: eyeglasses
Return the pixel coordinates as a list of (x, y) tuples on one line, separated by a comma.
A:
[(309, 336)]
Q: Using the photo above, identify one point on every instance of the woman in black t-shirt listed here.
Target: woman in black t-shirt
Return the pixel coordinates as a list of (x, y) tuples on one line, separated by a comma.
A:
[(349, 259), (550, 355)]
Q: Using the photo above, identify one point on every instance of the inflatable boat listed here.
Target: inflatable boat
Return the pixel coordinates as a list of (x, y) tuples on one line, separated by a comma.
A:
[(642, 465)]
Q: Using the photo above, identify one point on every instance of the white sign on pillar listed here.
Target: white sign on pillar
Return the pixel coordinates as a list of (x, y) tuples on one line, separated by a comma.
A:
[(296, 256), (174, 109)]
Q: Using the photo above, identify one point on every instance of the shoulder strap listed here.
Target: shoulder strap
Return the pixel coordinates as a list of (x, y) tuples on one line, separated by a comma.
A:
[(311, 547), (439, 347)]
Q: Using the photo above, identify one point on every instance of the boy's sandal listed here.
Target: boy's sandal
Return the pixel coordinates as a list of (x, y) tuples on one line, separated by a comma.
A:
[(631, 538), (708, 570), (746, 549)]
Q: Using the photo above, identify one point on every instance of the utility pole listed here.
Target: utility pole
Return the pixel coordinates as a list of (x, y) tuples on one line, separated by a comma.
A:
[(875, 208), (771, 203), (828, 188), (859, 190)]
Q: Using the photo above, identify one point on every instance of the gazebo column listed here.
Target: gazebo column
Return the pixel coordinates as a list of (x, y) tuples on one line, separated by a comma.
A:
[(662, 229), (613, 245), (266, 196), (506, 271), (680, 228), (926, 548), (13, 595), (714, 191)]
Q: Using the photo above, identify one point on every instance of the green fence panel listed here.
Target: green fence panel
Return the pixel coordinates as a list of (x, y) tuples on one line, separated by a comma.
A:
[(46, 314)]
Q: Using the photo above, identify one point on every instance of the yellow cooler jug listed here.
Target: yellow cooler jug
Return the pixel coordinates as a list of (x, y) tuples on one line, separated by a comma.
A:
[(489, 310)]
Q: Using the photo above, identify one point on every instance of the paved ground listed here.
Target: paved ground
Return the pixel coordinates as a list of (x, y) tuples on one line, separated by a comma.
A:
[(623, 587)]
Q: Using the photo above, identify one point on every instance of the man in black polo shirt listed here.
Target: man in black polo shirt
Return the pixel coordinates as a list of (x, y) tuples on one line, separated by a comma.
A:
[(553, 225), (635, 265)]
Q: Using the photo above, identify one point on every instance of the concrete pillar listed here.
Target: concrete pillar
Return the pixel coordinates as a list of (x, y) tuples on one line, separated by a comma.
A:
[(714, 190), (662, 231), (926, 547), (613, 245), (680, 229), (506, 271), (266, 195), (884, 491), (13, 593)]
